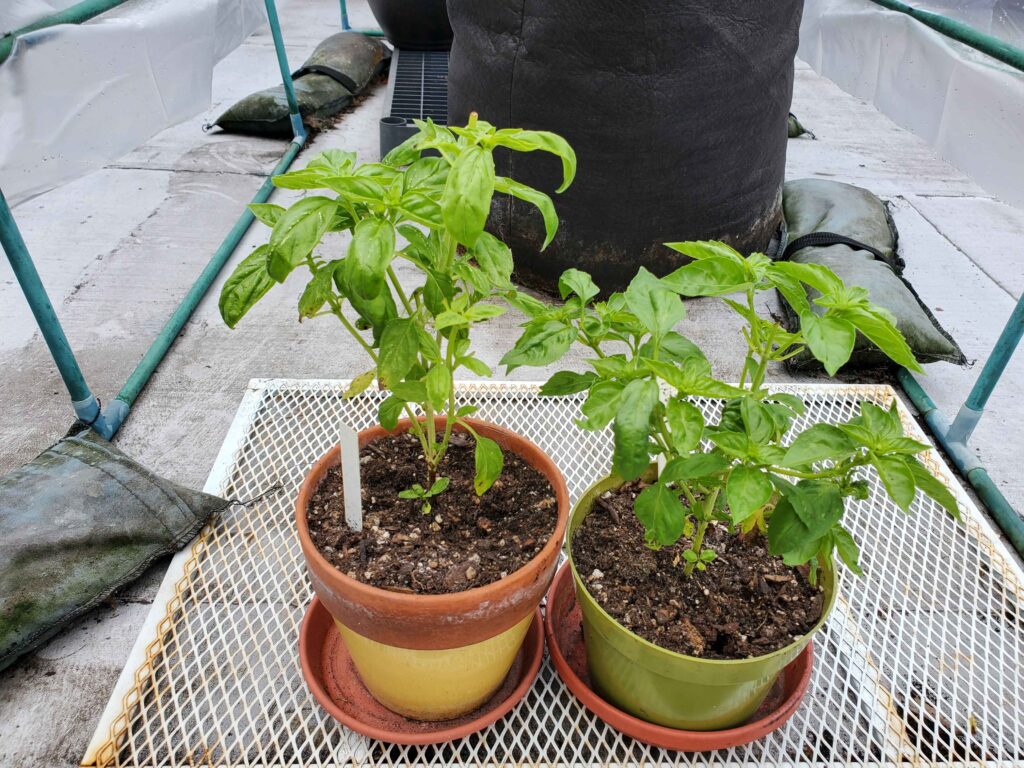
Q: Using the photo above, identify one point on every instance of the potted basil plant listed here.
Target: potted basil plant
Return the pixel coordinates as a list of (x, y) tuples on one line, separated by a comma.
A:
[(700, 581), (463, 519)]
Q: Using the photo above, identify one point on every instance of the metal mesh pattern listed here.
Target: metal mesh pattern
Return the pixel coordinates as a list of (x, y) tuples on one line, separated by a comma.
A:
[(421, 86), (921, 660)]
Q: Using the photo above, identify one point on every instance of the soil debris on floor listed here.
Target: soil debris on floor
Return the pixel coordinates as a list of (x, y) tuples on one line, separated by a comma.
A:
[(465, 541), (747, 603)]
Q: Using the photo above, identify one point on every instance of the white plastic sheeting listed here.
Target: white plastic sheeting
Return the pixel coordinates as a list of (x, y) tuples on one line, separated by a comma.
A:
[(74, 98), (964, 103)]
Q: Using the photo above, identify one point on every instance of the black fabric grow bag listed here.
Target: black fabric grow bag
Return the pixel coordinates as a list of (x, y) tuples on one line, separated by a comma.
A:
[(677, 112)]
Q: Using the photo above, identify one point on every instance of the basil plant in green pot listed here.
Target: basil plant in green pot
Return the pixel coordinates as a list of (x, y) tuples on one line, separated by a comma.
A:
[(706, 562), (462, 519)]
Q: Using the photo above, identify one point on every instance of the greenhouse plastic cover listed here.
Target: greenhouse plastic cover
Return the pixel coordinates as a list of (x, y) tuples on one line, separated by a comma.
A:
[(967, 105), (77, 97)]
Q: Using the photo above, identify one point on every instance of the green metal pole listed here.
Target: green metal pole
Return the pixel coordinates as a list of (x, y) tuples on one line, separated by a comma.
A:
[(967, 462), (970, 413), (76, 14), (86, 406), (346, 27), (969, 36)]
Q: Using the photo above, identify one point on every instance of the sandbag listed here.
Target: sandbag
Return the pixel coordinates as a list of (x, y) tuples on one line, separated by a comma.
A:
[(677, 112), (340, 68), (796, 129), (77, 523), (816, 206)]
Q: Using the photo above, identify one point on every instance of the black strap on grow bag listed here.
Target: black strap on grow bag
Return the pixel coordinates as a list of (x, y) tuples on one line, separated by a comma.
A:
[(829, 238), (336, 75)]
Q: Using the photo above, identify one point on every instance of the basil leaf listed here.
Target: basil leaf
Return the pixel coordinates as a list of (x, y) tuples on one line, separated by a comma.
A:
[(632, 428)]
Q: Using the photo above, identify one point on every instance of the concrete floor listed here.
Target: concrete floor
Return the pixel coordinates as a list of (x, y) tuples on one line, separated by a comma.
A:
[(118, 248)]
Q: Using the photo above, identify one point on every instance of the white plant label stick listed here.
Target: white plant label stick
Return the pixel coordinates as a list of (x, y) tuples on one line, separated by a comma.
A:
[(350, 478)]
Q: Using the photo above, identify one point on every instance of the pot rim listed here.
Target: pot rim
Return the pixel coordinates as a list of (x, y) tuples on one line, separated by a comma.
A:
[(333, 457), (613, 480)]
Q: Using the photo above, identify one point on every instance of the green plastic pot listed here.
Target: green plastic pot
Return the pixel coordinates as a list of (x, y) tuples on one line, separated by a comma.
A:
[(668, 688)]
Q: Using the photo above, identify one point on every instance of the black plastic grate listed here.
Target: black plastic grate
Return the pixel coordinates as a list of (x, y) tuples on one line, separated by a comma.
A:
[(417, 89)]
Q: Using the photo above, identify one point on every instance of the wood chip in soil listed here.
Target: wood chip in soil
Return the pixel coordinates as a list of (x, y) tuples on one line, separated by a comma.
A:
[(747, 603), (465, 541)]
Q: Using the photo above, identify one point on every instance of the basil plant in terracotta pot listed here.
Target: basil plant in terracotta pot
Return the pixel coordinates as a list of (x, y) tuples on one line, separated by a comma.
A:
[(463, 519), (706, 562)]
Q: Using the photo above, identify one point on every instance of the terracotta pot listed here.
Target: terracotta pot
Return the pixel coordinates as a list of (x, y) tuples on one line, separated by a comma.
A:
[(435, 657), (668, 688)]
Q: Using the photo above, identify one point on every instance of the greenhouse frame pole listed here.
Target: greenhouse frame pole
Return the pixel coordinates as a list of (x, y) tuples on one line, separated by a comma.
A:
[(87, 408), (346, 27)]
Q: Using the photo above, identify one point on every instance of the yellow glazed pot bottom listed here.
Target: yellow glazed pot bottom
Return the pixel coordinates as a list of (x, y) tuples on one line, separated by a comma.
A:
[(434, 684)]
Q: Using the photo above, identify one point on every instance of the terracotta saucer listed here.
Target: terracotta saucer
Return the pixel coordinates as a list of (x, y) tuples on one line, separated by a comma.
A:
[(563, 625), (334, 682)]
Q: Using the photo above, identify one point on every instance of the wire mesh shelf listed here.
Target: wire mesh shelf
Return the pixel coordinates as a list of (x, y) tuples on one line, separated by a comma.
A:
[(920, 663)]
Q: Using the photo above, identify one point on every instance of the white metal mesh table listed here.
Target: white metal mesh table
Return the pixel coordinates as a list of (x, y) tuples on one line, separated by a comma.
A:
[(921, 661)]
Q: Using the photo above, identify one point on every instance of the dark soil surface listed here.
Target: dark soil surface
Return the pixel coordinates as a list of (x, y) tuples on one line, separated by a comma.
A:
[(465, 541), (747, 602)]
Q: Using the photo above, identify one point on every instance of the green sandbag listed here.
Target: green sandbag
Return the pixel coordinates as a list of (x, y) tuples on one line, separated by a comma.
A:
[(820, 206), (796, 129), (77, 523), (353, 62)]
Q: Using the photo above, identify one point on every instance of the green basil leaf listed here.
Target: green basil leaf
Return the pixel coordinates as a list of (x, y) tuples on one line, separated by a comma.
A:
[(399, 347), (733, 443), (466, 201), (847, 548), (390, 412), (422, 209), (819, 442), (632, 428), (788, 537), (360, 384), (883, 334), (897, 478), (708, 277), (747, 491), (428, 173), (335, 161), (267, 213), (693, 467), (358, 189), (818, 504), (539, 200), (686, 424), (574, 281), (662, 515), (707, 249), (489, 462), (757, 420), (830, 339), (540, 345), (317, 291), (247, 284), (528, 141), (410, 391), (601, 405), (439, 386), (478, 312), (495, 260), (567, 383), (933, 487), (654, 305), (297, 232), (369, 256)]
